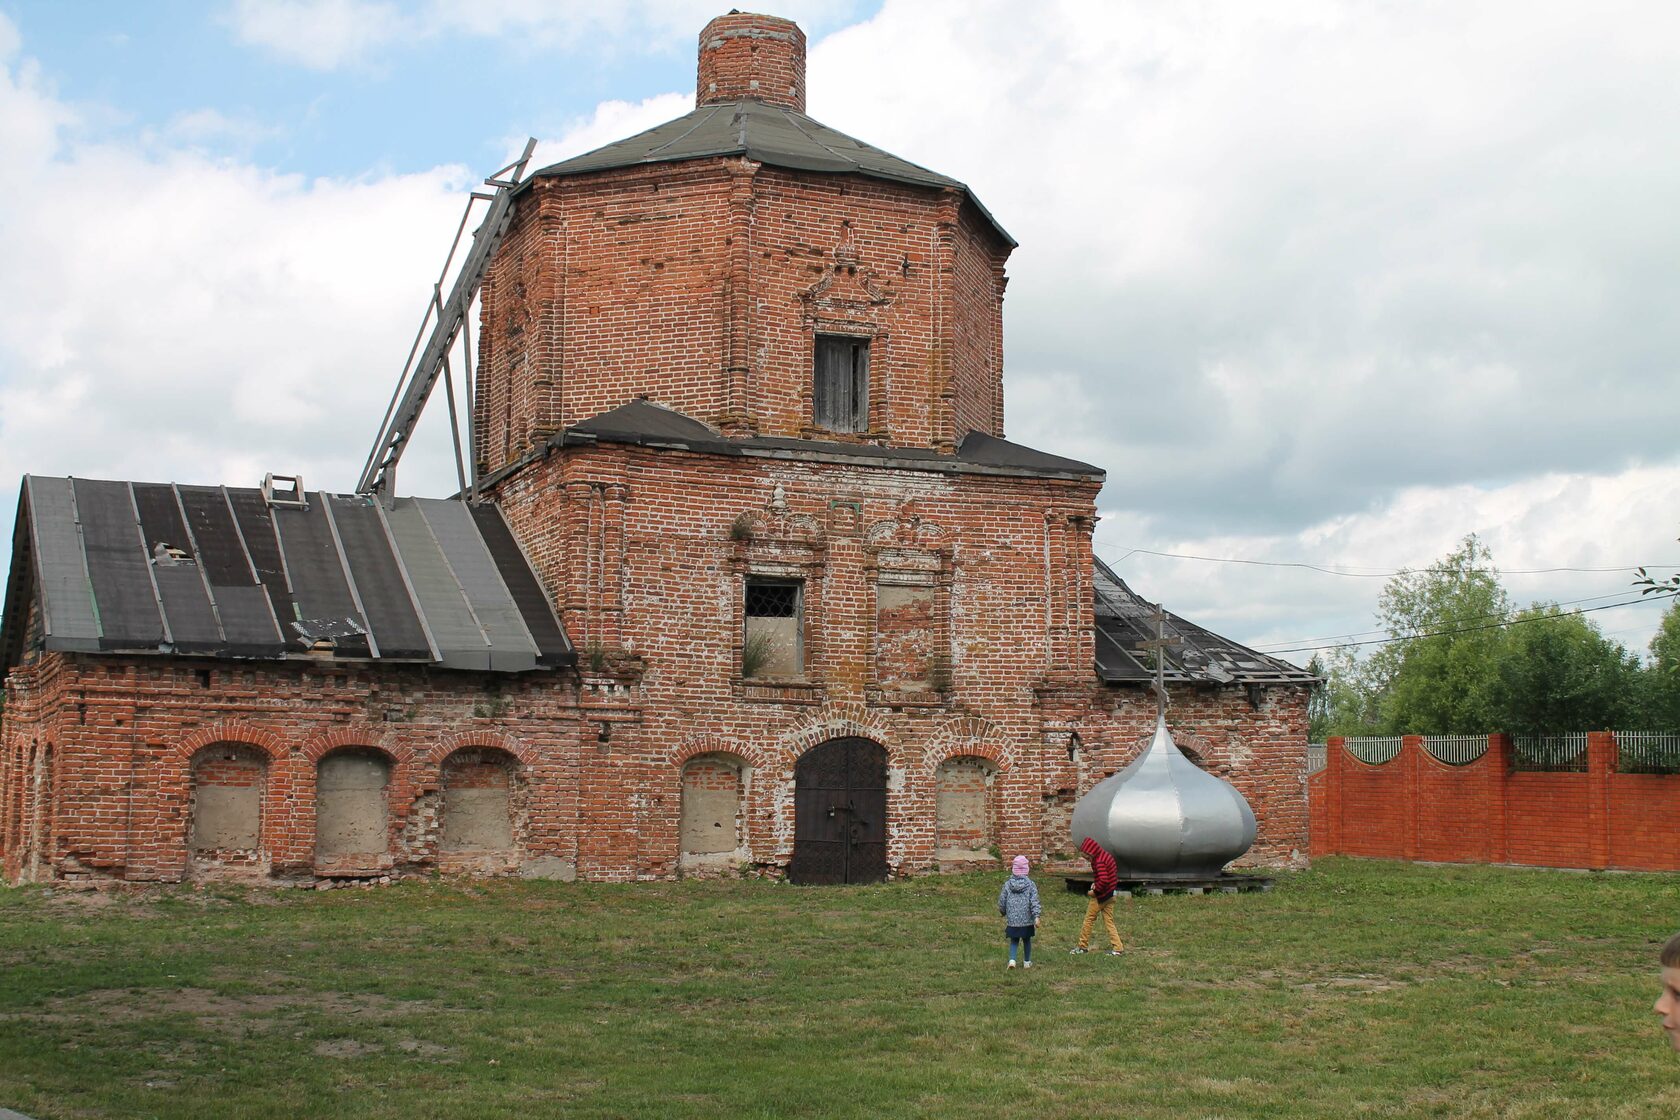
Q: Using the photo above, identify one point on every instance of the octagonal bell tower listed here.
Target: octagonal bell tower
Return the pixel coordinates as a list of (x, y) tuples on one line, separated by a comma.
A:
[(750, 268)]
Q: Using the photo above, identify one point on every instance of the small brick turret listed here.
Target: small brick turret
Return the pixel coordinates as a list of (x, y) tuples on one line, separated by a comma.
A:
[(744, 55)]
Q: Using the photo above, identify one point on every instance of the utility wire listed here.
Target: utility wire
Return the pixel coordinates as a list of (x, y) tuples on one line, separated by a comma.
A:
[(1468, 629), (1342, 639), (1380, 573)]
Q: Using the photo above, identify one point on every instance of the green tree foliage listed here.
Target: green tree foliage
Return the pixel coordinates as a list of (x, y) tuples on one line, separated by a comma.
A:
[(1555, 672), (1659, 694), (1436, 679), (1345, 704), (1464, 662)]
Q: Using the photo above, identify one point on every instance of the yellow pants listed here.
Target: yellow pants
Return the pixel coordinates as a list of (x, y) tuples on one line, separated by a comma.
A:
[(1106, 909)]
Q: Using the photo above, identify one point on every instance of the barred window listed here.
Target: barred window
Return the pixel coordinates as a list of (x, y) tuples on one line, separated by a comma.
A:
[(772, 644)]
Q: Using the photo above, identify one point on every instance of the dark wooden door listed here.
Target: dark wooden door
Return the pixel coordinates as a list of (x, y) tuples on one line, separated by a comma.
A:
[(840, 813)]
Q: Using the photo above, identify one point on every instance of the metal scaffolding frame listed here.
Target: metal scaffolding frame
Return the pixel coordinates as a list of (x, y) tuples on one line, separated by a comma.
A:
[(447, 320)]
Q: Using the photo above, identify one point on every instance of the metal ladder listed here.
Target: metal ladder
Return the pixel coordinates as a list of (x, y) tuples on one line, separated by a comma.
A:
[(447, 319)]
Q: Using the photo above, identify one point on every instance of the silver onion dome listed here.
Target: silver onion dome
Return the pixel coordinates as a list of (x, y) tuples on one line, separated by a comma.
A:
[(1162, 817)]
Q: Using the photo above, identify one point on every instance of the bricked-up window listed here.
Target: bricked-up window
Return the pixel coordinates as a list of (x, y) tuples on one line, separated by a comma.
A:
[(840, 390), (772, 645), (907, 639)]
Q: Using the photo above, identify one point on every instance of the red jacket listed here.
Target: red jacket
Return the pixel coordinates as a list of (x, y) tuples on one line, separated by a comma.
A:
[(1103, 866)]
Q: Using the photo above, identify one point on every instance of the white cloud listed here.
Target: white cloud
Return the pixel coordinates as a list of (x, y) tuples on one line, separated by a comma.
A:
[(611, 120), (206, 126), (1313, 281), (1554, 520), (320, 34), (199, 320), (329, 34), (1282, 263)]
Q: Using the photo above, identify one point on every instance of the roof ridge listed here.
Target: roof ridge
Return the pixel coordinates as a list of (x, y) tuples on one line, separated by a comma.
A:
[(699, 120)]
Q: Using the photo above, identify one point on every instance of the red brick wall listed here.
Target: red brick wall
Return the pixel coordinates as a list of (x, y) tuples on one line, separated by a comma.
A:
[(702, 285), (747, 55), (127, 730), (1416, 807), (641, 550), (1644, 835)]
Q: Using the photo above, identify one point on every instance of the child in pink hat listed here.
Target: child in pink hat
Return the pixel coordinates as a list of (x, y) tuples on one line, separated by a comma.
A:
[(1019, 905)]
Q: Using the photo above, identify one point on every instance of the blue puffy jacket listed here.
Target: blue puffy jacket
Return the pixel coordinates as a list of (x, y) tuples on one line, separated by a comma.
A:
[(1018, 901)]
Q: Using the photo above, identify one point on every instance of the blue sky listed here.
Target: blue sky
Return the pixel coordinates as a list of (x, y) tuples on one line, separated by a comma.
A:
[(1317, 282), (452, 96)]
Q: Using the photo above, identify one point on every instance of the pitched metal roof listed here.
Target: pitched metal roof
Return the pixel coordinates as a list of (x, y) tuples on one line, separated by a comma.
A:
[(654, 425), (769, 134), (224, 572), (1125, 621)]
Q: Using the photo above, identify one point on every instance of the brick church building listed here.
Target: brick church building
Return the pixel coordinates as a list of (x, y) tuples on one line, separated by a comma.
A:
[(752, 581)]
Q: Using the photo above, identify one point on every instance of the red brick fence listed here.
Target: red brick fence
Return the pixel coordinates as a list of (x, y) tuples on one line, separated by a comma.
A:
[(1563, 801)]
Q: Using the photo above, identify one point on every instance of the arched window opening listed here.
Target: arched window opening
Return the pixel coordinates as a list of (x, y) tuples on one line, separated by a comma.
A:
[(227, 789), (351, 816), (967, 804), (480, 809), (713, 790), (224, 815)]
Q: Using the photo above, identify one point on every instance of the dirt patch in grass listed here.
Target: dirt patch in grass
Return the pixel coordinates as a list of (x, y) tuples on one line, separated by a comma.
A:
[(1353, 984)]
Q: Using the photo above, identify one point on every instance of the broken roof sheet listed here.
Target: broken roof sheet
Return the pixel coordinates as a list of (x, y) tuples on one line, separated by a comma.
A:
[(769, 134), (654, 425), (219, 572), (1125, 621)]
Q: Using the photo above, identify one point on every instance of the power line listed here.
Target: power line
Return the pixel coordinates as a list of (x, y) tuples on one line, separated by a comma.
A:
[(1349, 571), (1341, 639), (1468, 629)]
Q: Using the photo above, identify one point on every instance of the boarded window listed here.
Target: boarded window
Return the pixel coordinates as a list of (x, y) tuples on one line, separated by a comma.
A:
[(227, 794), (772, 645), (967, 824), (840, 388), (350, 813), (477, 802), (906, 639), (711, 810)]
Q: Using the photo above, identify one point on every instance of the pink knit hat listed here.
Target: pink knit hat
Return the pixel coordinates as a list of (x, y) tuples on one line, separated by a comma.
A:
[(1019, 867)]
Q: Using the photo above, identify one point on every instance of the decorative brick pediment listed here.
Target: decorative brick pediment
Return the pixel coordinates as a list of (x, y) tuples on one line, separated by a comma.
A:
[(847, 296)]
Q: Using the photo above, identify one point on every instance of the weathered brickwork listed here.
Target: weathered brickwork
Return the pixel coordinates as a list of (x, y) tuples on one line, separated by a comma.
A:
[(1417, 807), (944, 609), (747, 55), (703, 286), (136, 744)]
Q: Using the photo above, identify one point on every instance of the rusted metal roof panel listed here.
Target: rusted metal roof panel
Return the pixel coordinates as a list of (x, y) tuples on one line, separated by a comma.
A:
[(1125, 621)]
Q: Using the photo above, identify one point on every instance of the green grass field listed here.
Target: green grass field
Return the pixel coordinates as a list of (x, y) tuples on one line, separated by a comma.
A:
[(1356, 989)]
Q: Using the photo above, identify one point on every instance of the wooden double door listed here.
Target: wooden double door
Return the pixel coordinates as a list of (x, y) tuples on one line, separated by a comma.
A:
[(840, 813)]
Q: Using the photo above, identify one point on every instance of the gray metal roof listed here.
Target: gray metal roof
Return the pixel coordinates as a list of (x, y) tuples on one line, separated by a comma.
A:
[(769, 134), (654, 425), (1125, 621), (221, 572)]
